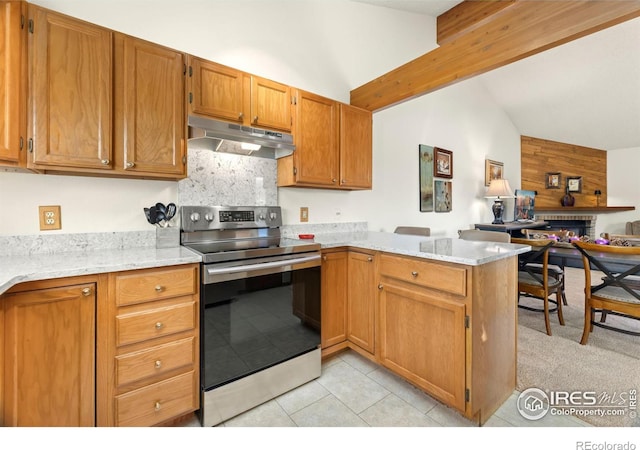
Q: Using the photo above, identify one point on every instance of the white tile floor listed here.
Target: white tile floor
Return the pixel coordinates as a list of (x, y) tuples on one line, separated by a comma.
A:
[(354, 392)]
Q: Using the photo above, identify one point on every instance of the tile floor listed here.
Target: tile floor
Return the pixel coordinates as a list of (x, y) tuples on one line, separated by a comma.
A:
[(354, 392)]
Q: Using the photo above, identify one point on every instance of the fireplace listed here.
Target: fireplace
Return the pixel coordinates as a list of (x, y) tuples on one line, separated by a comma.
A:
[(581, 225)]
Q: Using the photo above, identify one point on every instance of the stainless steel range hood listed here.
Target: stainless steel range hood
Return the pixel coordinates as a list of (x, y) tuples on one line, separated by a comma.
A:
[(211, 134)]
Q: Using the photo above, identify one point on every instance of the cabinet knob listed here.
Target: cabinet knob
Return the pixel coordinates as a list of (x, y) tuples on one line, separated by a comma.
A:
[(324, 257), (159, 325), (106, 162), (343, 181), (380, 286), (86, 292), (369, 259), (158, 364), (334, 180), (159, 288), (157, 406), (130, 165), (240, 115), (255, 119), (414, 274)]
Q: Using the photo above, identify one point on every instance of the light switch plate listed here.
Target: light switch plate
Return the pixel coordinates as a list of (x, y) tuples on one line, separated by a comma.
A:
[(304, 214), (50, 218)]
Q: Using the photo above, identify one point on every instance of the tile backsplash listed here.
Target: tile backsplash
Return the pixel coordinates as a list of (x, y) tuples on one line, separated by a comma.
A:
[(227, 179)]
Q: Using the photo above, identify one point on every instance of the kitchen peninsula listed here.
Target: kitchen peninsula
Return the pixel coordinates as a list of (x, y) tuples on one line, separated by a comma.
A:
[(439, 312)]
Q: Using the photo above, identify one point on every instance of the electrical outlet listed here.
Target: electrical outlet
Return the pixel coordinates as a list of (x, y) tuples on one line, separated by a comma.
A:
[(304, 214), (50, 218)]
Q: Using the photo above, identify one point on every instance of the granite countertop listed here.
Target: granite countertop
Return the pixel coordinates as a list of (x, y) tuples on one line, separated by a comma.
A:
[(42, 266), (472, 253)]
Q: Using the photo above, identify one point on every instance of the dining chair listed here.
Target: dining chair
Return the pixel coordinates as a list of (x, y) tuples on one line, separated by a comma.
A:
[(536, 280), (482, 235), (418, 231), (557, 268), (618, 292)]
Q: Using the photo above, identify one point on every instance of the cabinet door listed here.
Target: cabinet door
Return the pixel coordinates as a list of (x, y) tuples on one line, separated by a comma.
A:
[(334, 298), (13, 96), (422, 338), (215, 90), (49, 371), (70, 65), (151, 116), (270, 104), (316, 139), (361, 301), (355, 147)]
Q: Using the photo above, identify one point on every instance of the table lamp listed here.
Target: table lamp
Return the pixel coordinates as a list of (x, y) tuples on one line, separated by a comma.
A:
[(498, 189)]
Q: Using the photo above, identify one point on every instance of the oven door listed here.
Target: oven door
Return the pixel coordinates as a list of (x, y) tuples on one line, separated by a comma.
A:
[(256, 314)]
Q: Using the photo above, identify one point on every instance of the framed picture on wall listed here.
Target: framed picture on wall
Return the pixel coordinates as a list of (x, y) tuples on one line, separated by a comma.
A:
[(552, 180), (443, 196), (425, 163), (574, 184), (442, 163), (493, 170), (524, 204)]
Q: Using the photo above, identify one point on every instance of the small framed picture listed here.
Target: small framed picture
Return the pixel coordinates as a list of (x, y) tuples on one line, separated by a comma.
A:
[(493, 170), (442, 196), (442, 163), (552, 180), (574, 184)]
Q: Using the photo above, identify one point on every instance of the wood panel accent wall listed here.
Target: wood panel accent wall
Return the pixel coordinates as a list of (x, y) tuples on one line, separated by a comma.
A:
[(540, 156)]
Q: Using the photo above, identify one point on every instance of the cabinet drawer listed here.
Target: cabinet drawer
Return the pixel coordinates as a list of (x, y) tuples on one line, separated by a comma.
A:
[(432, 275), (151, 323), (154, 361), (158, 402), (143, 285)]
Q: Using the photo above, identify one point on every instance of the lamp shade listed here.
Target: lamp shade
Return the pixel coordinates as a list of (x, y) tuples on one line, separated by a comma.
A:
[(499, 189)]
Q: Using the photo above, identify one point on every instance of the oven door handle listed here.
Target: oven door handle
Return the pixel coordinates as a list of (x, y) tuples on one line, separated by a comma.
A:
[(212, 271)]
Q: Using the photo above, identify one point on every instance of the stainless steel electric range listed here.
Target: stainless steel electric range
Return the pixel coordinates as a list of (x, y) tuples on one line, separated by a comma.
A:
[(259, 306)]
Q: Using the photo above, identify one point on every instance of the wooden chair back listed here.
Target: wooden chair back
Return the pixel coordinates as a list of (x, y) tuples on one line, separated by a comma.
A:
[(482, 235), (418, 231)]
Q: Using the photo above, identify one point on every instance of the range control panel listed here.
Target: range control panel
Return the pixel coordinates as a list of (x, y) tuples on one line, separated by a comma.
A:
[(202, 218)]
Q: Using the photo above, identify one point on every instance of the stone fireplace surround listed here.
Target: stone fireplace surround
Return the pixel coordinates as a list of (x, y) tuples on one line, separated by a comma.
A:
[(579, 223)]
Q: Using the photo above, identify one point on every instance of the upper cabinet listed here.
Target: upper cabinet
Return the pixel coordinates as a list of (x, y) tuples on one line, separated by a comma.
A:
[(232, 95), (333, 145), (149, 104), (103, 103), (70, 108), (13, 63)]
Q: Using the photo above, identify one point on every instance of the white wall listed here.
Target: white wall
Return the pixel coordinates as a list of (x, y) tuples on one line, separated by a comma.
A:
[(325, 46), (623, 186)]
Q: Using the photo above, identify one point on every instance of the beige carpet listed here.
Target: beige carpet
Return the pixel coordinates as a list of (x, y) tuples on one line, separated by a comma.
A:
[(609, 363)]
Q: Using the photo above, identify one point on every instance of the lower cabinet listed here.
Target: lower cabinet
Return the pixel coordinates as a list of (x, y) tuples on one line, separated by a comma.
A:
[(48, 369), (150, 354), (334, 299), (361, 301)]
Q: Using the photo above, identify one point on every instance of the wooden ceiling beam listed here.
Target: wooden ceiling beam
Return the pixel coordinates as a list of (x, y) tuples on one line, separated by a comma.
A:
[(523, 29), (466, 17)]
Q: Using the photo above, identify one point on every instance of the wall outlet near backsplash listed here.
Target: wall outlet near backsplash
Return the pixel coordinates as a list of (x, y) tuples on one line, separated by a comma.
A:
[(50, 217), (304, 214)]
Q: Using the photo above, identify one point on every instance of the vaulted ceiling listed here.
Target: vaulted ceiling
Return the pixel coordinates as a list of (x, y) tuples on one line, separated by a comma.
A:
[(585, 92)]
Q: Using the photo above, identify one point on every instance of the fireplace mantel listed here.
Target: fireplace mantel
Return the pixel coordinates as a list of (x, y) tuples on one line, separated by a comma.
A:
[(583, 209)]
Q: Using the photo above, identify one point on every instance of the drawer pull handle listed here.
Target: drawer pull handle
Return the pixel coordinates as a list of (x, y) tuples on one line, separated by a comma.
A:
[(105, 162), (414, 274), (159, 288), (159, 325), (158, 364), (157, 406), (86, 292)]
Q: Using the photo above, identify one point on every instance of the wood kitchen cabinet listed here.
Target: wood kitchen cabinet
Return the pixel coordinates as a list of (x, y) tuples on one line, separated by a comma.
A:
[(333, 145), (334, 300), (48, 369), (149, 351), (13, 83), (450, 329), (103, 103), (361, 300), (149, 127), (231, 95)]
